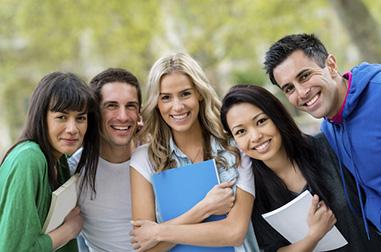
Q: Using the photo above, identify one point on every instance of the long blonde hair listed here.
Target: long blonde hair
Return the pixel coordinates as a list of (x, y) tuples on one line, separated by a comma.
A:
[(209, 114)]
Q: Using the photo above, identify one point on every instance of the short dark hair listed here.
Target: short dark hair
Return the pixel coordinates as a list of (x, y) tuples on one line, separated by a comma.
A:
[(61, 92), (114, 75), (311, 46)]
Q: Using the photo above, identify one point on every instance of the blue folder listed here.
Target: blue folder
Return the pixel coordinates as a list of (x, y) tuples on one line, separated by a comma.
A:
[(177, 190)]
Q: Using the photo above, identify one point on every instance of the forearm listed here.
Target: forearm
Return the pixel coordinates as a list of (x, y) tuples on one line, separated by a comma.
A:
[(305, 245), (230, 231), (196, 214), (61, 236), (216, 233)]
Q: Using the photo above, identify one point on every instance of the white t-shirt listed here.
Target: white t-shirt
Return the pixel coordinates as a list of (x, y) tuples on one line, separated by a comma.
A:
[(107, 218), (141, 163)]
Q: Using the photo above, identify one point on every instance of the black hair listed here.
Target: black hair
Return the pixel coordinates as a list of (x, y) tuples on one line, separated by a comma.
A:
[(271, 190), (114, 75), (311, 46), (60, 92)]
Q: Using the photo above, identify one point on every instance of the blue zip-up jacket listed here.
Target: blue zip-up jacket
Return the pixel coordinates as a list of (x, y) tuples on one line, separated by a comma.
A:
[(357, 139)]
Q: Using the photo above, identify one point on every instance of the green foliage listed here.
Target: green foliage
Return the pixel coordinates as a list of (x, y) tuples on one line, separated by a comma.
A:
[(256, 77), (228, 38), (15, 97)]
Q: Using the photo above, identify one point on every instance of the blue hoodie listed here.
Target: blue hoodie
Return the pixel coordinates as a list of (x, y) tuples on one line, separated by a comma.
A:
[(357, 139)]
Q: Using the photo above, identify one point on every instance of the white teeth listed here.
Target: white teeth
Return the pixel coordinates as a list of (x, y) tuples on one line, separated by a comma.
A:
[(262, 146), (180, 117), (313, 100), (120, 128)]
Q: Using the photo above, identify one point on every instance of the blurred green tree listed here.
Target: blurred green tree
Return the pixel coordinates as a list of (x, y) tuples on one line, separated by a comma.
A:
[(228, 38)]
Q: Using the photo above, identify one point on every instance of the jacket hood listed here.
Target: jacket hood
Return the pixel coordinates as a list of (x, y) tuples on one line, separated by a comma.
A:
[(361, 74)]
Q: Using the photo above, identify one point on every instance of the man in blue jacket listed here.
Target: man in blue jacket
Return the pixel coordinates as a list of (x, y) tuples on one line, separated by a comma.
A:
[(300, 65)]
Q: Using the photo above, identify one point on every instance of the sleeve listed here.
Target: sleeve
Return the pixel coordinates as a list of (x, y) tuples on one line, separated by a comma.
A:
[(20, 193), (246, 176), (141, 163)]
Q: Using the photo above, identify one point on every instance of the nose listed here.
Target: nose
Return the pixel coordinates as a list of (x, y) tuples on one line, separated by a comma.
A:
[(178, 105), (255, 135), (72, 126), (302, 91), (122, 114)]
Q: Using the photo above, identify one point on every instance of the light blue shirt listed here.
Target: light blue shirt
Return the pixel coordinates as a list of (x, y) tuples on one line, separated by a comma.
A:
[(225, 173)]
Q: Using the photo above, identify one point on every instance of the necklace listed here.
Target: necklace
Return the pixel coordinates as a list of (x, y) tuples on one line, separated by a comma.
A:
[(197, 155)]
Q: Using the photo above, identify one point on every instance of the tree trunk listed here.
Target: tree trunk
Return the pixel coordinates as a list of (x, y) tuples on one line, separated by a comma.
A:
[(361, 26)]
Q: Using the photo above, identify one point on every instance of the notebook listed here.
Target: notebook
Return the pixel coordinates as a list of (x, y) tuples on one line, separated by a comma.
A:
[(64, 199), (290, 220), (177, 190)]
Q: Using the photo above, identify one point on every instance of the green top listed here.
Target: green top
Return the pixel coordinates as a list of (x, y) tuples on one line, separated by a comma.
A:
[(25, 196)]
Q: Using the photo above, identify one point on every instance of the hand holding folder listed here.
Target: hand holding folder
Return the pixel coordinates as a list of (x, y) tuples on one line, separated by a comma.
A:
[(178, 190)]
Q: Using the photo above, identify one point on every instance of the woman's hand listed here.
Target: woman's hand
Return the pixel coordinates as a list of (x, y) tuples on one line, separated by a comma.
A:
[(74, 222), (68, 230), (220, 199), (320, 219), (144, 235)]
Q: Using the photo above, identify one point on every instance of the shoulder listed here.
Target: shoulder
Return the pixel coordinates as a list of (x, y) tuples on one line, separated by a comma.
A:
[(140, 152), (141, 163), (26, 162), (25, 153), (324, 152), (319, 143), (318, 139)]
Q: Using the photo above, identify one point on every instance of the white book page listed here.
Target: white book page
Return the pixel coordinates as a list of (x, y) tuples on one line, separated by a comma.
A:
[(290, 220)]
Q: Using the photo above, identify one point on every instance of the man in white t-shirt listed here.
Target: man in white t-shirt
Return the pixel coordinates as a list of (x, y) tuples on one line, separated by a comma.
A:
[(107, 214)]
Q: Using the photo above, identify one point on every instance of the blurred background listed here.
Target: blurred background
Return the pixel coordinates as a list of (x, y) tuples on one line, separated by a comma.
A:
[(228, 38)]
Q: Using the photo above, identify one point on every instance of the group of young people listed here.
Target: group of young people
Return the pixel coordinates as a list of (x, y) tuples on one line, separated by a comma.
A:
[(263, 159)]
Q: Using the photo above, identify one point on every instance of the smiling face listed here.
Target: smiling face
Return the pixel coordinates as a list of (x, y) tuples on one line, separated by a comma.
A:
[(254, 132), (66, 131), (309, 87), (179, 103), (120, 114)]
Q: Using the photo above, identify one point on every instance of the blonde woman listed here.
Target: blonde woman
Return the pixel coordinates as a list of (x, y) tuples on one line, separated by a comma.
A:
[(182, 118)]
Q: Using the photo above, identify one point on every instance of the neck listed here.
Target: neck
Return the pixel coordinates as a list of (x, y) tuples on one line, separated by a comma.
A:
[(115, 154), (191, 143), (287, 171), (279, 163), (342, 88), (192, 136)]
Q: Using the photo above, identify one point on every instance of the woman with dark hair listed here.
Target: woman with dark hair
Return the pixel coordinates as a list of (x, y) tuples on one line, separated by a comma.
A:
[(62, 117), (286, 162)]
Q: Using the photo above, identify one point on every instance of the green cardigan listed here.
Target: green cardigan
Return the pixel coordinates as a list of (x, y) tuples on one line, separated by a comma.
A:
[(25, 196)]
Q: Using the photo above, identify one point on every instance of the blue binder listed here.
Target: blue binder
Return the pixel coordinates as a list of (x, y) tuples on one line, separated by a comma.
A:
[(178, 190)]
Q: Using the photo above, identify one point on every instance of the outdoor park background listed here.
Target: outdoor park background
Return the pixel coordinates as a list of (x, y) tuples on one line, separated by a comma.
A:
[(227, 37)]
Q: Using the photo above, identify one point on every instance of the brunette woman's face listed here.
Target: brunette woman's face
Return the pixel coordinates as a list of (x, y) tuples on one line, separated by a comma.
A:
[(254, 132), (179, 102), (66, 131)]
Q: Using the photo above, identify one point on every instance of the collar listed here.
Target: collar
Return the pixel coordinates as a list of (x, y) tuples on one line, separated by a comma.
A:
[(175, 150)]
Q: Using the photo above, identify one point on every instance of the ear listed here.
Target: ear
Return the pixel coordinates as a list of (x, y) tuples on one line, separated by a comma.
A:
[(199, 97), (332, 66)]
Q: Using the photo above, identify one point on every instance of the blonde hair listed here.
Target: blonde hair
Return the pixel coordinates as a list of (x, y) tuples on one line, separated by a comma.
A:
[(209, 114)]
